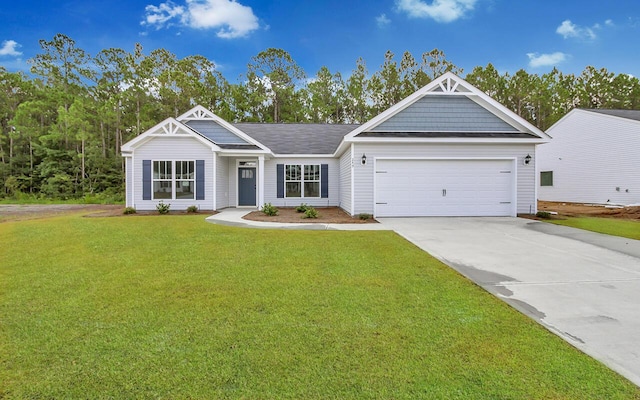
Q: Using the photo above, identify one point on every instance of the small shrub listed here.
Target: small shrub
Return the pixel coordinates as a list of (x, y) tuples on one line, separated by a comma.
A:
[(269, 209), (543, 214), (162, 207), (192, 209), (310, 212), (129, 210), (364, 216), (302, 208)]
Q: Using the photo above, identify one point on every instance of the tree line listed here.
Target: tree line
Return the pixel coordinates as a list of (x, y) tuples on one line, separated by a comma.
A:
[(61, 127)]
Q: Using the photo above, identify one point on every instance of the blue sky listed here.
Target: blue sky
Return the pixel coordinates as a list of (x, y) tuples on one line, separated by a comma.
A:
[(535, 35)]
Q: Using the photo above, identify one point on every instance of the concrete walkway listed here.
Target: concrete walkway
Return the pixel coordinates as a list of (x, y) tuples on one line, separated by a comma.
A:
[(583, 286), (233, 217)]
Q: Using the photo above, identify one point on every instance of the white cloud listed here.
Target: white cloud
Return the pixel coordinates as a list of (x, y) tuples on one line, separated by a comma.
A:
[(438, 10), (570, 30), (231, 18), (546, 60), (10, 48), (382, 20), (160, 15)]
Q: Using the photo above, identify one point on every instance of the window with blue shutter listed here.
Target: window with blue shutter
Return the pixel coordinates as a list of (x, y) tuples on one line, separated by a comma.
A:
[(146, 179), (280, 180), (200, 180), (324, 181)]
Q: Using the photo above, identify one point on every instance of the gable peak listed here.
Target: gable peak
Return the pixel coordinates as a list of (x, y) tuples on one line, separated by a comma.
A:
[(197, 113)]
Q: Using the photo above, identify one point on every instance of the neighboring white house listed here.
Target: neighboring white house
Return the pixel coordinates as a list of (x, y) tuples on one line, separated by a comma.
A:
[(594, 157), (446, 150)]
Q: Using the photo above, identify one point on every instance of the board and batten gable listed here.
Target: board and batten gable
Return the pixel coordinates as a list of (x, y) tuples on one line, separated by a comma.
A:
[(444, 113), (174, 148), (333, 180), (594, 159), (364, 197)]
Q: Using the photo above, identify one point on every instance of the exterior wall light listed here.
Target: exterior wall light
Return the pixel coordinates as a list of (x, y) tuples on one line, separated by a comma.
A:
[(364, 159), (527, 159)]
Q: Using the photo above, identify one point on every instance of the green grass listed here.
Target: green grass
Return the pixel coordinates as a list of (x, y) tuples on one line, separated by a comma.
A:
[(173, 307), (610, 226)]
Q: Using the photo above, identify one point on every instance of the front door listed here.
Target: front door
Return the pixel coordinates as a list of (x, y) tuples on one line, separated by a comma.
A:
[(247, 186)]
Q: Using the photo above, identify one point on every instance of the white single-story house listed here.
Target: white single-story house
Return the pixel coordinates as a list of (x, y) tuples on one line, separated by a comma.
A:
[(446, 150), (593, 158)]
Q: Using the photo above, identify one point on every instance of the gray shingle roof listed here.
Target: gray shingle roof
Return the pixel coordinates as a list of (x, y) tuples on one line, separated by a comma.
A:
[(298, 138), (515, 135), (628, 114)]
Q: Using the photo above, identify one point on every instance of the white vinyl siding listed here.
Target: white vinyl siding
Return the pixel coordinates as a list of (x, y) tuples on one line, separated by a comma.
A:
[(345, 181), (222, 177), (594, 159), (174, 149), (364, 174), (270, 182), (129, 202)]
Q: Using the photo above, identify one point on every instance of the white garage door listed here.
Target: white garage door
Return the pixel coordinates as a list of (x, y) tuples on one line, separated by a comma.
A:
[(407, 188)]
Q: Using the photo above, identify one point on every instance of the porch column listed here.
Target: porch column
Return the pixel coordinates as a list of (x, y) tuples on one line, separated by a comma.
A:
[(215, 180), (260, 182)]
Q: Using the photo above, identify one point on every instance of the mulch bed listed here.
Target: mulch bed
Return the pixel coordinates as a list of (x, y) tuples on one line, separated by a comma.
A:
[(326, 215)]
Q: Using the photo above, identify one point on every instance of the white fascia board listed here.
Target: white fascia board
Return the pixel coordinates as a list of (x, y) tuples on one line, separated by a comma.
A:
[(342, 147), (505, 114), (150, 134), (246, 153), (469, 91), (202, 114)]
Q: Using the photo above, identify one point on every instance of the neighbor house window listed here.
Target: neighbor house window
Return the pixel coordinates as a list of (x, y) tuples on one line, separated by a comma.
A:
[(173, 180), (546, 178), (302, 180)]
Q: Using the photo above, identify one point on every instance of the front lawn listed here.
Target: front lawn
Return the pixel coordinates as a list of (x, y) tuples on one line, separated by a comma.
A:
[(173, 307), (610, 226)]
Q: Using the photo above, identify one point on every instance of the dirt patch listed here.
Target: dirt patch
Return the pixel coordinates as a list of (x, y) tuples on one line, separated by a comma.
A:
[(589, 210), (19, 212), (326, 215)]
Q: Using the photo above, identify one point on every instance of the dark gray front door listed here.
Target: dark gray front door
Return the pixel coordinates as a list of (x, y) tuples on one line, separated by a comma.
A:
[(246, 186)]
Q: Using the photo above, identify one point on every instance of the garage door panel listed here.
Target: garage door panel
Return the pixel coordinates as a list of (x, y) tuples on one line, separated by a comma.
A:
[(444, 188)]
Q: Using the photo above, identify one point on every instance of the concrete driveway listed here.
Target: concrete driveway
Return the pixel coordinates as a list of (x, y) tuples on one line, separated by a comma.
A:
[(583, 286)]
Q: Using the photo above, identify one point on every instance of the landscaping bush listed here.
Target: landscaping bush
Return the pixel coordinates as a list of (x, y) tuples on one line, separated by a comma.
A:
[(543, 214), (302, 208), (269, 209), (163, 208), (364, 216), (129, 210), (310, 212), (192, 209)]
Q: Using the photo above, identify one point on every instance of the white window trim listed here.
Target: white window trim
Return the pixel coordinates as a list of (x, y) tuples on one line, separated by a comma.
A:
[(173, 179), (302, 181)]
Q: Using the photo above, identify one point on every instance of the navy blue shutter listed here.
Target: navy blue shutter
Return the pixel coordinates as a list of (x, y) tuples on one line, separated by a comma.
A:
[(199, 179), (146, 179), (324, 181), (280, 180)]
